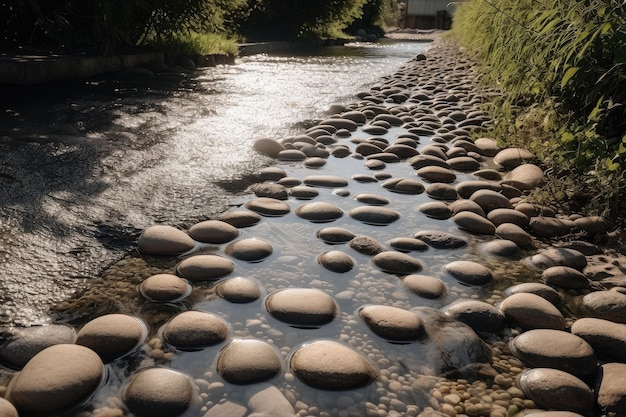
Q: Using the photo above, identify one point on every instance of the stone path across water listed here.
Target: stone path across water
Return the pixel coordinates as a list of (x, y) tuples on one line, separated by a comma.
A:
[(389, 264)]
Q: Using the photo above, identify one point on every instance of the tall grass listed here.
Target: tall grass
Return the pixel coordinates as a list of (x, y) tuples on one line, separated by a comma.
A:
[(565, 60)]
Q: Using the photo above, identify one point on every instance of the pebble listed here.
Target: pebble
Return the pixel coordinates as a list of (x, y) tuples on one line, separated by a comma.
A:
[(440, 240), (319, 212), (407, 244), (545, 348), (240, 218), (374, 215), (371, 199), (397, 263), (366, 245), (504, 215), (329, 365), (565, 277), (479, 315), (250, 250), (159, 392), (511, 158), (436, 210), (302, 306), (607, 338), (514, 233), (531, 311), (335, 235), (213, 231), (541, 384), (490, 200), (404, 186), (56, 378), (542, 290), (205, 268), (7, 409), (270, 207), (435, 173), (328, 181), (164, 288), (501, 247), (113, 335), (303, 192), (268, 401), (336, 261), (441, 191), (239, 290), (247, 361), (474, 223), (268, 147), (607, 305), (424, 285), (558, 256), (195, 330), (468, 272), (611, 391), (551, 227), (164, 240), (267, 189), (392, 323)]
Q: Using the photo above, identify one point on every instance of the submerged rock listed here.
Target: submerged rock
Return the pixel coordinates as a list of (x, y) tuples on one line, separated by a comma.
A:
[(159, 392)]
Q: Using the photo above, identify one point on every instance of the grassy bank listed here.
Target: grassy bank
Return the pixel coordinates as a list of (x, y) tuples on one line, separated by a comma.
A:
[(561, 66)]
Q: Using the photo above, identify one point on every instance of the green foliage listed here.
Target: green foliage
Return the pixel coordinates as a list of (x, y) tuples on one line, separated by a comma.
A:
[(194, 43), (568, 59)]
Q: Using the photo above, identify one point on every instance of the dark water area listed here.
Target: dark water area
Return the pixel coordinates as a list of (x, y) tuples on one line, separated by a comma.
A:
[(85, 165)]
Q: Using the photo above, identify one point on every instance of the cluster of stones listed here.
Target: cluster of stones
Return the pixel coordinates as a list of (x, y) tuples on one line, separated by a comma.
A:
[(431, 97)]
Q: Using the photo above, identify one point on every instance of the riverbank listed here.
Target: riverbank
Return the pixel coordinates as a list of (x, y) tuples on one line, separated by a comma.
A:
[(367, 260)]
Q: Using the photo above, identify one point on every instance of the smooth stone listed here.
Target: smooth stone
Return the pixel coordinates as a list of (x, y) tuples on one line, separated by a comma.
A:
[(269, 189), (404, 186), (336, 261), (436, 151), (565, 277), (407, 244), (374, 164), (329, 365), (488, 146), (611, 389), (113, 335), (550, 226), (303, 192), (384, 157), (291, 155), (511, 158), (607, 338), (402, 151), (22, 343), (329, 181), (542, 290), (250, 250), (340, 151), (525, 177), (436, 174), (302, 306), (165, 240), (490, 200), (545, 348), (474, 223), (504, 215), (441, 191), (7, 409), (366, 245), (463, 163), (501, 247), (421, 161), (541, 385), (227, 409), (371, 199), (374, 215), (268, 401), (396, 263), (58, 377), (488, 174), (239, 290), (392, 323), (607, 305), (364, 179), (355, 116), (514, 233), (556, 414), (314, 162), (272, 173), (534, 210), (195, 330), (467, 188), (558, 257), (159, 392), (289, 182), (340, 123), (248, 361), (164, 288), (268, 147), (205, 268), (531, 311), (335, 235), (435, 210), (213, 231), (440, 240), (454, 350), (268, 206), (468, 272), (367, 149), (240, 218), (424, 285), (459, 206), (593, 224), (319, 212), (479, 315)]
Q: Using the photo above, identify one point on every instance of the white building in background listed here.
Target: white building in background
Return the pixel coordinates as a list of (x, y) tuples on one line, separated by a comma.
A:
[(428, 14)]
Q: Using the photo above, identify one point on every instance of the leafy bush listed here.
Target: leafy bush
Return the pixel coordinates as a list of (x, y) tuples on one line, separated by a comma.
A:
[(566, 59)]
